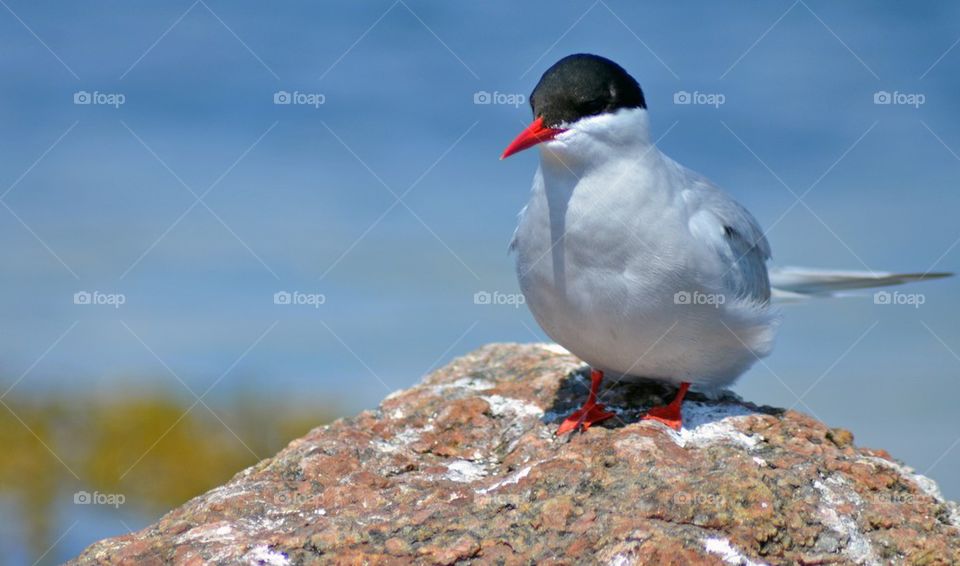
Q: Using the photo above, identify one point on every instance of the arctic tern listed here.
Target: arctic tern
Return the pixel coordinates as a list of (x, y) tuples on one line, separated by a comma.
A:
[(632, 262)]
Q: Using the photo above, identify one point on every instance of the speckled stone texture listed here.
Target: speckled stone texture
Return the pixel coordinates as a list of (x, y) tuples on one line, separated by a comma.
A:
[(465, 468)]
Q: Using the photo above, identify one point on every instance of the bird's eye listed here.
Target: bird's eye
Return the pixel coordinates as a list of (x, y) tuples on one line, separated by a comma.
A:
[(591, 107)]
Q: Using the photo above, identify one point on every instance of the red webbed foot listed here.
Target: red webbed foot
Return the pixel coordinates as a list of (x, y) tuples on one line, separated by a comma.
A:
[(584, 417), (671, 414), (591, 412)]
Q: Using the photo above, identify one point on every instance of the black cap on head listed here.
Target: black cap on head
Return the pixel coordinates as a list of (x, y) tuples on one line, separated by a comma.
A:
[(583, 85)]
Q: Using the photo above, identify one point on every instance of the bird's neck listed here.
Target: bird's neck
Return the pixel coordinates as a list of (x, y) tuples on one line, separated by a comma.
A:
[(597, 141)]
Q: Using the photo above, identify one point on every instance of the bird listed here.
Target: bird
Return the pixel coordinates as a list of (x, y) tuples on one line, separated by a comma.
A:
[(639, 266)]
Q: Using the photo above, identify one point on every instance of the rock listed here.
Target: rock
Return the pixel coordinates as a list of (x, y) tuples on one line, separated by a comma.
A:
[(465, 468)]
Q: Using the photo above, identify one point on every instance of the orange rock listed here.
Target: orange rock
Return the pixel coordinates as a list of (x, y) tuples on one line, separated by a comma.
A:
[(465, 468)]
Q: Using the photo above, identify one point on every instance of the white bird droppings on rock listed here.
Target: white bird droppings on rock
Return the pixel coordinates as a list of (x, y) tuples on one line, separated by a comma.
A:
[(510, 480), (621, 560), (402, 440), (217, 532), (470, 383), (709, 424), (501, 406), (834, 492), (261, 555), (730, 555), (464, 471)]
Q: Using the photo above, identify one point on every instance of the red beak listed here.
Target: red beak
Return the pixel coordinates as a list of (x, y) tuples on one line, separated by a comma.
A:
[(535, 133)]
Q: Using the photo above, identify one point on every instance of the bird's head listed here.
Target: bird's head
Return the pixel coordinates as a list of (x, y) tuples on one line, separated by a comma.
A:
[(582, 103)]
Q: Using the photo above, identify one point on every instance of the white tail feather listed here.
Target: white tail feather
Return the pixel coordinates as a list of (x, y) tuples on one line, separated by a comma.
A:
[(798, 283)]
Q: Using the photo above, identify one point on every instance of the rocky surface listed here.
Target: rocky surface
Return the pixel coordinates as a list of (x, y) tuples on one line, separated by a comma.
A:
[(465, 468)]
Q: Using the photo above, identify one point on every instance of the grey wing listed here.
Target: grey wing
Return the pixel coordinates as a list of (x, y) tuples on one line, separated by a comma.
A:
[(735, 236)]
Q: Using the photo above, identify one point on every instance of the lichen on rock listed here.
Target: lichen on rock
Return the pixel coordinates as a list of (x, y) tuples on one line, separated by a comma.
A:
[(465, 468)]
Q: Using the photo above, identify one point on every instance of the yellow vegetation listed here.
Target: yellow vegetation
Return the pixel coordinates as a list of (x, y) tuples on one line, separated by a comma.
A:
[(155, 450)]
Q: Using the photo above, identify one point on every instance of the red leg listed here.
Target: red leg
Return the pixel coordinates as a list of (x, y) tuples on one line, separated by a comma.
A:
[(670, 415), (591, 412)]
